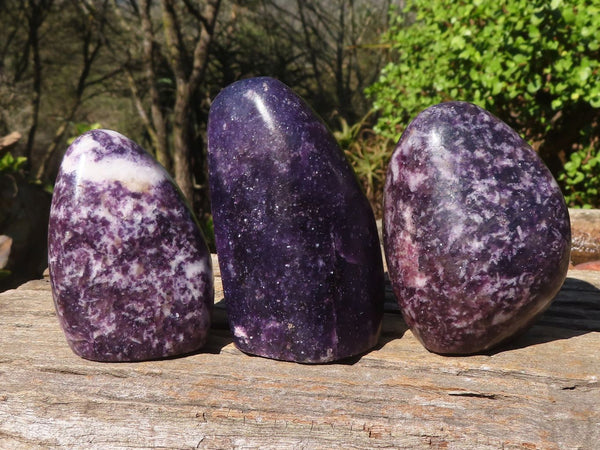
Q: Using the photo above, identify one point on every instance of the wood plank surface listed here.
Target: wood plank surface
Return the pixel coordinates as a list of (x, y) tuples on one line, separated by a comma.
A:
[(540, 392)]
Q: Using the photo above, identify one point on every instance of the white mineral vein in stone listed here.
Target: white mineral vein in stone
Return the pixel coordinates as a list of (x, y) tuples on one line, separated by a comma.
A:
[(133, 175)]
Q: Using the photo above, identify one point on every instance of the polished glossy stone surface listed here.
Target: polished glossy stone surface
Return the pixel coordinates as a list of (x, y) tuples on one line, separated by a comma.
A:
[(131, 274), (476, 231), (297, 242)]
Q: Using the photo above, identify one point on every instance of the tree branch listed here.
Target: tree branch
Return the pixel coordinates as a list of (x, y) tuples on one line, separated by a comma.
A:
[(196, 13), (158, 117), (211, 12), (175, 52)]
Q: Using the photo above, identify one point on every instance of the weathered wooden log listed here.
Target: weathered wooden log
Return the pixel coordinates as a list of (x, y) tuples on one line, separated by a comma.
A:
[(5, 245), (541, 391), (585, 230), (6, 142)]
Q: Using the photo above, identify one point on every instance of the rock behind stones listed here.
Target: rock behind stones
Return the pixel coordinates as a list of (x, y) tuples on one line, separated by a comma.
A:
[(24, 209)]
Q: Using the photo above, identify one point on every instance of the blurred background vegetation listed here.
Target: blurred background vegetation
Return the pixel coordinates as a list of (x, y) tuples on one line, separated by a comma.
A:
[(149, 69)]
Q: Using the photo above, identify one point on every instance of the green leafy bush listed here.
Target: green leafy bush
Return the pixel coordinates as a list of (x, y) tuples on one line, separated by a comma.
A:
[(10, 164), (581, 178), (533, 63)]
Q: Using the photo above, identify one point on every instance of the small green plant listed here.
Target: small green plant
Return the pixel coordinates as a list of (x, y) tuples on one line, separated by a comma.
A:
[(80, 128), (208, 230), (368, 154), (581, 178), (18, 165), (347, 134), (10, 164)]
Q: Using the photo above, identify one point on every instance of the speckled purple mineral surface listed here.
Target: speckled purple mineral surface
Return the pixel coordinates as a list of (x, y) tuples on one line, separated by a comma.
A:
[(297, 241), (131, 274), (476, 231)]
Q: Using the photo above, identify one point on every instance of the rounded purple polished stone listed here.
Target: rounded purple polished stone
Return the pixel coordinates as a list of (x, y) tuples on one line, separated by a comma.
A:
[(297, 242), (131, 274), (476, 230)]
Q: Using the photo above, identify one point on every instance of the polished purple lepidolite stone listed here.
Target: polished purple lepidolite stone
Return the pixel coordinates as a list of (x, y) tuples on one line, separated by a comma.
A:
[(476, 231), (297, 242), (131, 274)]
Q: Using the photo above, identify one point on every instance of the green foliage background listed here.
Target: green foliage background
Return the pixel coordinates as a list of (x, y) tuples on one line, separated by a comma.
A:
[(533, 63)]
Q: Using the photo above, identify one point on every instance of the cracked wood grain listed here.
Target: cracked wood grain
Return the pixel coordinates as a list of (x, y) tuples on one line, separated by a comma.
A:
[(539, 392)]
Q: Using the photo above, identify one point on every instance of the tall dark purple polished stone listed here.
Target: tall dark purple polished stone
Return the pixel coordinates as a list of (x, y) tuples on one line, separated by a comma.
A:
[(476, 230), (297, 242), (131, 274)]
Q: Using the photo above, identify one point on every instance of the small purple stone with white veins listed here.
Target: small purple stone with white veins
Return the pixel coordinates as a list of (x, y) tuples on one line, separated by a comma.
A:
[(476, 230), (297, 242), (130, 271)]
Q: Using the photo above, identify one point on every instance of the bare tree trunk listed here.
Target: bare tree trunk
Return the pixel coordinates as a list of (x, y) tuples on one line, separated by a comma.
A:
[(188, 82), (90, 50), (58, 136), (342, 90), (158, 118), (181, 142), (37, 88), (312, 52), (139, 106), (155, 123), (37, 13)]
